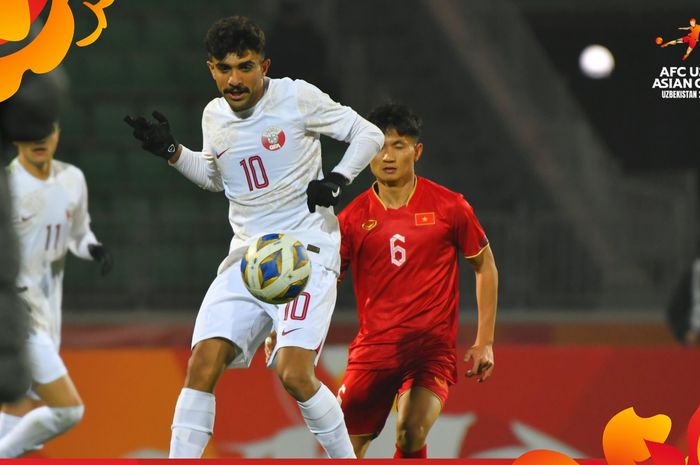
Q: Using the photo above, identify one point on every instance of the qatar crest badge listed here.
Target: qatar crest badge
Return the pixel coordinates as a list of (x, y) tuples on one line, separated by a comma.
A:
[(273, 139)]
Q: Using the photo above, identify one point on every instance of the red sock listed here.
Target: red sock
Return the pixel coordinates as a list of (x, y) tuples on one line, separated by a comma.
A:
[(419, 454)]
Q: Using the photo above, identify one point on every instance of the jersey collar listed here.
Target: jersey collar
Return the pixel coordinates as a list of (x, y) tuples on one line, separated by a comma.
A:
[(375, 193)]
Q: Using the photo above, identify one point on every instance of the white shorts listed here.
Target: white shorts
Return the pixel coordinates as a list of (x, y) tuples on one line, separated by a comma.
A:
[(230, 312), (44, 360)]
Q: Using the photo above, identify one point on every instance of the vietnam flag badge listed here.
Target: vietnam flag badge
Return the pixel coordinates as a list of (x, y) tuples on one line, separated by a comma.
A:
[(425, 219)]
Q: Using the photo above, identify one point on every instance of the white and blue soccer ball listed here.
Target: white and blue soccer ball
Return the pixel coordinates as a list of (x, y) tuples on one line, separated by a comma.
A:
[(276, 268)]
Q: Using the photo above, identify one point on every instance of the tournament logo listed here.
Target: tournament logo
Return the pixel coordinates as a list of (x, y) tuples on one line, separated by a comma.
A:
[(680, 82), (691, 38), (273, 139), (48, 49)]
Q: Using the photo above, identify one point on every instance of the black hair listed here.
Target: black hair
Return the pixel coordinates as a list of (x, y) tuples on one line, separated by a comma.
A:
[(32, 112), (393, 115), (235, 34)]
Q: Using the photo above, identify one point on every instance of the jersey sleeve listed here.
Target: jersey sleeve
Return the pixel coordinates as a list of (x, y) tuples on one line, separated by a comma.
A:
[(469, 235), (81, 235), (345, 243), (200, 167), (322, 115)]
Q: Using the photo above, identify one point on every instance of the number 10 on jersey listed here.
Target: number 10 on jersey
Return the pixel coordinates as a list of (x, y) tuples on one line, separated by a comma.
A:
[(255, 173)]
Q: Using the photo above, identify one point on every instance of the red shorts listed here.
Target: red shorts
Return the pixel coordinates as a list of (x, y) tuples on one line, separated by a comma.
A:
[(366, 396), (690, 41)]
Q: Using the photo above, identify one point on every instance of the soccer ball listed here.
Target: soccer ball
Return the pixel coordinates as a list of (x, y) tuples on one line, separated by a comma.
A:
[(276, 268)]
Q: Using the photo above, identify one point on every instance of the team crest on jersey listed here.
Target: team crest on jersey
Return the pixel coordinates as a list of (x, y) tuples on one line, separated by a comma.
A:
[(369, 225), (273, 139)]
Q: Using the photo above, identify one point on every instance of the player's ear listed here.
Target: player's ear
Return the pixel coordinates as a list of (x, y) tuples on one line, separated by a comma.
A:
[(265, 65), (210, 65), (418, 151)]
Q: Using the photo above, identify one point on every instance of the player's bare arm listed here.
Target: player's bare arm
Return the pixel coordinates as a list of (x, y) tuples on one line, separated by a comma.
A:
[(481, 352)]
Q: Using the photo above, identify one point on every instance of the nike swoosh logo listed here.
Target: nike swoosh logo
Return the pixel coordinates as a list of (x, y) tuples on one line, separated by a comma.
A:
[(285, 332), (218, 155), (24, 219), (336, 192)]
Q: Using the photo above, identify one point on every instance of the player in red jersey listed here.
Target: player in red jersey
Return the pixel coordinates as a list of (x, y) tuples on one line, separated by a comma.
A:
[(402, 239)]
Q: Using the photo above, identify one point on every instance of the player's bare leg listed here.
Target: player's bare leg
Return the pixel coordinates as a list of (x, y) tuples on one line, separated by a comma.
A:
[(208, 361), (193, 421), (295, 368), (63, 410), (418, 409), (360, 444), (318, 405)]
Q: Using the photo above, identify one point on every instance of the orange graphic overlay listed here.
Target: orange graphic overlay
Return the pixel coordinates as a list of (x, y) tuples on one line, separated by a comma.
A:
[(14, 19), (98, 9), (540, 457), (14, 24), (627, 434), (49, 47), (43, 54)]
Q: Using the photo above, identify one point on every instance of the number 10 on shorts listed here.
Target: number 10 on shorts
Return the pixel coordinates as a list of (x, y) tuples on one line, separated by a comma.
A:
[(296, 310)]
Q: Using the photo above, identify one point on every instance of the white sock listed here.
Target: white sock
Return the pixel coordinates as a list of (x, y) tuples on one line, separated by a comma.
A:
[(193, 424), (37, 427), (7, 423), (324, 418)]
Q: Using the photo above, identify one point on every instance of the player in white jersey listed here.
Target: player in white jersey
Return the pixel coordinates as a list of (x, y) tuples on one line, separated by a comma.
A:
[(50, 216), (262, 148)]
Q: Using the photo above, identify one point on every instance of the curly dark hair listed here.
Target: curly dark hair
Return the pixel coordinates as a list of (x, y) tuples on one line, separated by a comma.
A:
[(393, 115), (235, 34)]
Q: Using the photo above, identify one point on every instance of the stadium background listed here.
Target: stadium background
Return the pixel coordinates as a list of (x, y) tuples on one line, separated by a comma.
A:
[(586, 188)]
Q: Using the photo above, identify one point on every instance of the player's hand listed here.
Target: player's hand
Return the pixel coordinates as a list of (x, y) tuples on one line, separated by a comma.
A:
[(270, 343), (482, 368), (101, 255), (325, 192), (155, 136)]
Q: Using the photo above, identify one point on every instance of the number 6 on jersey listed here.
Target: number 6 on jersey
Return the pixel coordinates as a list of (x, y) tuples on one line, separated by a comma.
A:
[(398, 253)]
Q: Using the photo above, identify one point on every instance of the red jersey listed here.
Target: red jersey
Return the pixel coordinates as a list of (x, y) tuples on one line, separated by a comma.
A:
[(404, 264)]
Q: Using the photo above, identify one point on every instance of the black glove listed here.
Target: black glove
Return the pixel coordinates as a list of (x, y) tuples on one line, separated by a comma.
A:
[(154, 135), (325, 192), (100, 254)]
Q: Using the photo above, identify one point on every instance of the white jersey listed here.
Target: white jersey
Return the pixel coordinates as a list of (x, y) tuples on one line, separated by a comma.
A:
[(50, 217), (264, 158)]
